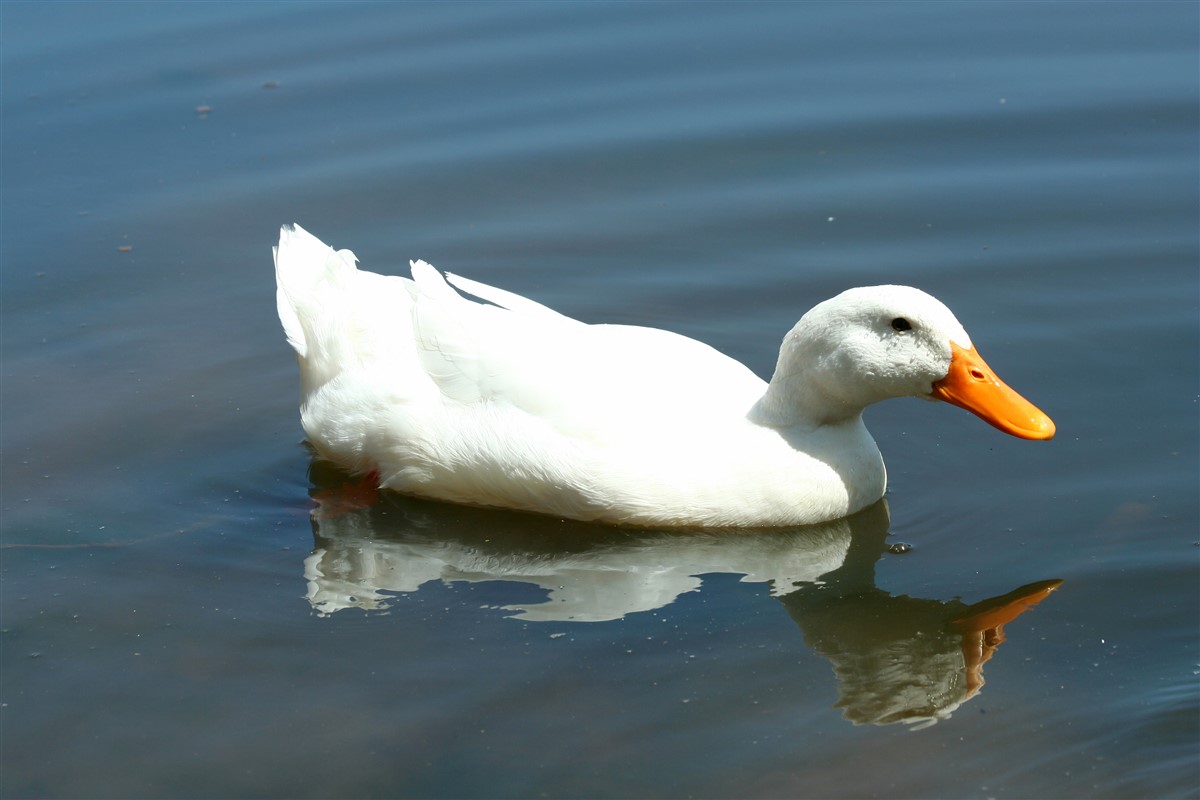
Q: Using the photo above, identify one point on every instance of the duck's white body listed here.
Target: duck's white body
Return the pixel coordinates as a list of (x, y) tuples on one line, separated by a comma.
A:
[(510, 404)]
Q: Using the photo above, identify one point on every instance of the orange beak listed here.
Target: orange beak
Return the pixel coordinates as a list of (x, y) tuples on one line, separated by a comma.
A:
[(972, 385)]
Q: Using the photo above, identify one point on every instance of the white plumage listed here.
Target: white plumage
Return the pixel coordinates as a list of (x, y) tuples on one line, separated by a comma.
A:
[(508, 403)]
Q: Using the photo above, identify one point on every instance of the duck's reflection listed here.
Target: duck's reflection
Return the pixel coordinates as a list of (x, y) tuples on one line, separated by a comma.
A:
[(897, 659)]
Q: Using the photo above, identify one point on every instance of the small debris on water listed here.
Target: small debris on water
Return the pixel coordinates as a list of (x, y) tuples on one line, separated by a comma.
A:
[(202, 109), (125, 248), (900, 548)]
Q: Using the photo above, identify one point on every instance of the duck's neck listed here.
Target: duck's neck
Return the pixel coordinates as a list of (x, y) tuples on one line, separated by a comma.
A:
[(804, 399), (817, 380)]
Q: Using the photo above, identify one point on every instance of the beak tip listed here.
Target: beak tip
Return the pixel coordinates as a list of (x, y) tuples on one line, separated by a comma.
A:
[(1042, 429)]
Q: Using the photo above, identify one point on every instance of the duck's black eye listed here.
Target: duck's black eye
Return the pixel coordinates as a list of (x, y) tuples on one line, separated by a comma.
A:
[(901, 324)]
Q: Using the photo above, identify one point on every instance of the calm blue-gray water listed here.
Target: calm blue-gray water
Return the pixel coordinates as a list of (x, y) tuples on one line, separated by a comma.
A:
[(190, 608)]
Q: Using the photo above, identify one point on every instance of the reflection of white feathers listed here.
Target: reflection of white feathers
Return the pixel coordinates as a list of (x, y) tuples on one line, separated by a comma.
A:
[(600, 584), (898, 659), (916, 680)]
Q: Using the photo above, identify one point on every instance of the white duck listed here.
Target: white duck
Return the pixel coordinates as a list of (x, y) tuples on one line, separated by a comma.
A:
[(510, 404)]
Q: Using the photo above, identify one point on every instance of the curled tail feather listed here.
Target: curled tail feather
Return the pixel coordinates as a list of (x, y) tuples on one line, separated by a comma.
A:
[(302, 264)]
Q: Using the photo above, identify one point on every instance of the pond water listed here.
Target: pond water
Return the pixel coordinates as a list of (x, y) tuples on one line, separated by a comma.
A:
[(191, 608)]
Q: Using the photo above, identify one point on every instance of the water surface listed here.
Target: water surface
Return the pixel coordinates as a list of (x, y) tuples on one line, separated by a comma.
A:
[(188, 612)]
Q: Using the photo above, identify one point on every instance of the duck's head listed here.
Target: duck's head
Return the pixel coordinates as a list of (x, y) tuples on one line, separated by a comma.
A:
[(876, 342)]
